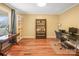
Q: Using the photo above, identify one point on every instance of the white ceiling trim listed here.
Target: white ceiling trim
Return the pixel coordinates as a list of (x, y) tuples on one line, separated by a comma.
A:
[(23, 12)]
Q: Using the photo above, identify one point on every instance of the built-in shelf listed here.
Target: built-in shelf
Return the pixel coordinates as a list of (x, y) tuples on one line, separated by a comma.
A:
[(19, 27)]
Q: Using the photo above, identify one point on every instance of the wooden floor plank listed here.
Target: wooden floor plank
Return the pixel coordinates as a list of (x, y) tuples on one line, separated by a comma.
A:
[(39, 47)]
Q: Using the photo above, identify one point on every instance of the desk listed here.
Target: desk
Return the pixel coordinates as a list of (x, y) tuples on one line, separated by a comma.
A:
[(5, 42), (71, 41)]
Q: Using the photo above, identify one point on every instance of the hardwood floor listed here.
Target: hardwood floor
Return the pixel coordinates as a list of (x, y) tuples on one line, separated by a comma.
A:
[(39, 47)]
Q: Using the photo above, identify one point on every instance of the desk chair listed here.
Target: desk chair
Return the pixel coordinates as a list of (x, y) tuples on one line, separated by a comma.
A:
[(59, 36)]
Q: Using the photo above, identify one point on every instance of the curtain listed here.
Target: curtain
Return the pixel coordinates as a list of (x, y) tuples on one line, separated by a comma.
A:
[(13, 25), (13, 22)]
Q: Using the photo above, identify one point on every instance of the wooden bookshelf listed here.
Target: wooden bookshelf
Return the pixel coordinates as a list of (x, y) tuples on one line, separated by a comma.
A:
[(40, 28)]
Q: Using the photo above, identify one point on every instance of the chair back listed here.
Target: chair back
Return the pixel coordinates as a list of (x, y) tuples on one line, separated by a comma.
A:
[(58, 34)]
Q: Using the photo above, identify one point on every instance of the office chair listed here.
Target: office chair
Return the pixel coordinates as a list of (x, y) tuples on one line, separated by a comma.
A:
[(59, 36)]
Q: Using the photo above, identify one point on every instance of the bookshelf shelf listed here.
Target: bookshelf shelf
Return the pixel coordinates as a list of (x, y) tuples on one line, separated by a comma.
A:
[(40, 28)]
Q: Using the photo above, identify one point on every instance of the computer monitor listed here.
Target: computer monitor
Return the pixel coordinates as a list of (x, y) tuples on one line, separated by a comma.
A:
[(73, 30), (62, 31)]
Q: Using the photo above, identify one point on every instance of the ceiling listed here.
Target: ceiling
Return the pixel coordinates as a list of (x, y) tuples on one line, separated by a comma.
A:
[(50, 8)]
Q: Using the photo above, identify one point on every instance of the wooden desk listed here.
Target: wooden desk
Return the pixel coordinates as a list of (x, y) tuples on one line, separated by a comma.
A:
[(5, 42)]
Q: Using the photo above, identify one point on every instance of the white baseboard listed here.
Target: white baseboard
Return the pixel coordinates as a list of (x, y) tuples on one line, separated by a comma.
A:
[(28, 37), (51, 37), (34, 37)]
